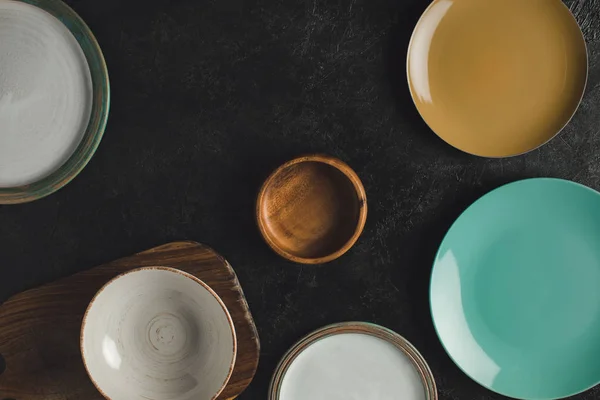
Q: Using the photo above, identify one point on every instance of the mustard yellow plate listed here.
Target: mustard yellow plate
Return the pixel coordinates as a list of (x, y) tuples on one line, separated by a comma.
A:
[(497, 78)]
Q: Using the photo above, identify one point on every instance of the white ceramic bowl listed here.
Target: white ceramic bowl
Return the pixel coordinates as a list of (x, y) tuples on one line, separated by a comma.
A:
[(158, 334)]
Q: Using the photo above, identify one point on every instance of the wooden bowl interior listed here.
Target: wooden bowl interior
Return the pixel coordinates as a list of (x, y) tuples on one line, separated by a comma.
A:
[(310, 210)]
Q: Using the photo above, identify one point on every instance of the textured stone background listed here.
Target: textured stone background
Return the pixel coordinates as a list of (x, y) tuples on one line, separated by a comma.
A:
[(209, 96)]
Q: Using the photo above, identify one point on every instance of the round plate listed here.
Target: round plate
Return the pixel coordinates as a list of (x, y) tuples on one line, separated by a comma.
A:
[(353, 360), (514, 289), (47, 28), (497, 78)]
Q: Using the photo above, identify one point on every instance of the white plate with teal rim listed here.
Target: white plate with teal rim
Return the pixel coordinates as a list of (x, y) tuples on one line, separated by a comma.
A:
[(54, 97)]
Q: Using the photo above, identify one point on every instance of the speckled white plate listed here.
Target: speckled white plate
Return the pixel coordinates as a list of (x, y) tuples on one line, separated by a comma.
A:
[(353, 361)]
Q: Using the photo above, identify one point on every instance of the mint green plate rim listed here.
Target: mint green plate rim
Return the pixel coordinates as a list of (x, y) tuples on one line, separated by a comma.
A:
[(462, 215), (98, 116)]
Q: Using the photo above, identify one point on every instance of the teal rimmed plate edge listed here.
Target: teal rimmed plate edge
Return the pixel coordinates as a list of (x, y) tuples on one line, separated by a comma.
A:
[(441, 246), (98, 116), (366, 328)]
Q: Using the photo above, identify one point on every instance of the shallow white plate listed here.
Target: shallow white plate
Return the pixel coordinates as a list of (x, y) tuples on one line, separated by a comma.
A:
[(353, 361), (54, 97)]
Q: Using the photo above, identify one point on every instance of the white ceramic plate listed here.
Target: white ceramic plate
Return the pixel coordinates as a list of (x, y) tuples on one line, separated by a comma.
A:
[(45, 93), (353, 361), (54, 97), (158, 334)]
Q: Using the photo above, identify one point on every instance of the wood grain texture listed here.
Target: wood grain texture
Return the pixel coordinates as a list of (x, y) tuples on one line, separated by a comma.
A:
[(39, 328), (312, 209)]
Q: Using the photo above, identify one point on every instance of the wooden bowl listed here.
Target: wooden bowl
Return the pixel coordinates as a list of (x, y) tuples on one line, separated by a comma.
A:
[(312, 209)]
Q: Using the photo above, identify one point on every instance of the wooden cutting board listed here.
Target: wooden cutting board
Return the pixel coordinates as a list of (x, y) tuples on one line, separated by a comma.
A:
[(39, 328)]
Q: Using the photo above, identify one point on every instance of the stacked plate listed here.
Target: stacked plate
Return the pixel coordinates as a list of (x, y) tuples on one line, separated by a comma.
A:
[(353, 360), (54, 98)]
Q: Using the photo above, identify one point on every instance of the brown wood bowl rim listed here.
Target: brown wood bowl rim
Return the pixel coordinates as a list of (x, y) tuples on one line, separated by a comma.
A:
[(359, 189), (365, 328), (184, 274)]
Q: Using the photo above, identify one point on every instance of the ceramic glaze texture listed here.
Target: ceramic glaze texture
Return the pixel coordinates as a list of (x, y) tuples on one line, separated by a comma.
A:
[(497, 78), (514, 289), (45, 93), (158, 334), (352, 366)]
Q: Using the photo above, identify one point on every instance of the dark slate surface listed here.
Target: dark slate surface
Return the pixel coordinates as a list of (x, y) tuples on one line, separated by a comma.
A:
[(209, 96)]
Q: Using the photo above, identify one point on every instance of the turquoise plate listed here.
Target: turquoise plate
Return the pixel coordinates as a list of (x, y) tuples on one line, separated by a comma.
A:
[(515, 290)]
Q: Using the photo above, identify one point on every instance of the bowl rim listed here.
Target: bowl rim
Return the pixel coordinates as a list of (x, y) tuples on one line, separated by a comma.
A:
[(359, 190), (540, 145), (93, 132), (172, 270), (360, 327)]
